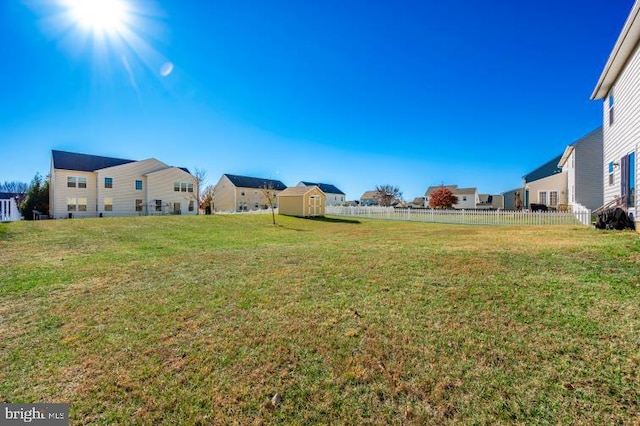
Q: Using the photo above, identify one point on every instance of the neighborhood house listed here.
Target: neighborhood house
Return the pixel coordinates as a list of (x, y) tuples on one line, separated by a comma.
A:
[(85, 185), (235, 193)]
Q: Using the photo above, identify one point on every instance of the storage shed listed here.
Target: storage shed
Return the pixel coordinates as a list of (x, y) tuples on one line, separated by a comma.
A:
[(302, 201)]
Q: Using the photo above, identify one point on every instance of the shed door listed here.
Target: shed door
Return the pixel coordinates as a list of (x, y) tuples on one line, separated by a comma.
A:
[(314, 205)]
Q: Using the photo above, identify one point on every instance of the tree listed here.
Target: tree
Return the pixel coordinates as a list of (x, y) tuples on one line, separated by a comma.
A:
[(14, 187), (442, 198), (37, 197), (200, 175), (208, 195), (270, 196), (388, 194)]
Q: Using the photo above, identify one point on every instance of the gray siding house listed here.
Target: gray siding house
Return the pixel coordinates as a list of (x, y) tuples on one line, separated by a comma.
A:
[(582, 160)]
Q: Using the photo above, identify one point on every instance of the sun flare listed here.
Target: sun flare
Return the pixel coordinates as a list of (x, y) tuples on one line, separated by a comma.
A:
[(99, 15)]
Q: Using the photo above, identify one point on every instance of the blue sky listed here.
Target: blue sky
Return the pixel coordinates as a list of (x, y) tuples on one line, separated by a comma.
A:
[(355, 93)]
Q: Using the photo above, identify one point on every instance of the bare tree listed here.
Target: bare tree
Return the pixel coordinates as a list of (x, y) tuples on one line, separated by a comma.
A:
[(201, 176), (14, 187), (208, 196), (270, 196), (388, 194)]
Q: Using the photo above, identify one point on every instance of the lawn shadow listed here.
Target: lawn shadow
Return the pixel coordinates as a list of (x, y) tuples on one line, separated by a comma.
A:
[(333, 220)]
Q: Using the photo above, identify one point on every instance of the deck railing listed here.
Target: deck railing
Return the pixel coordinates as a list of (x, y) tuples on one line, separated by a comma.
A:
[(467, 217)]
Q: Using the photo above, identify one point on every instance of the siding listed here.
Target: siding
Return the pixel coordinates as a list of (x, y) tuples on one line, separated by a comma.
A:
[(224, 194), (124, 193), (161, 187), (59, 192), (623, 136), (585, 180), (557, 182)]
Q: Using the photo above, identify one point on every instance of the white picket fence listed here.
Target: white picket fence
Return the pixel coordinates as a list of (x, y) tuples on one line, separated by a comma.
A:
[(466, 217), (9, 211)]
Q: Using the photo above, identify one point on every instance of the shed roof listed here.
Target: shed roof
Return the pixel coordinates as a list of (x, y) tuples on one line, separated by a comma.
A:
[(549, 168), (253, 182), (324, 187), (298, 190)]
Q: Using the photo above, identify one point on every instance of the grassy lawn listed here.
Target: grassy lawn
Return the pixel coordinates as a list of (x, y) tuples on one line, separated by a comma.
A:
[(201, 320)]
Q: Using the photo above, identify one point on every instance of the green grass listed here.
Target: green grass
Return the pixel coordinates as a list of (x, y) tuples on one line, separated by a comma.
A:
[(201, 320)]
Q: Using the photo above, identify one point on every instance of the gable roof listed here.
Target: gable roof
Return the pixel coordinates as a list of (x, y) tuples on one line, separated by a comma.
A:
[(620, 54), (324, 187), (84, 162), (369, 195), (257, 183), (298, 190), (465, 191), (549, 168), (570, 148), (430, 189)]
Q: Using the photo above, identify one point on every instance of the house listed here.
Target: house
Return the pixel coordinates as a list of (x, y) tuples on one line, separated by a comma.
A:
[(84, 185), (369, 198), (9, 207), (235, 193), (467, 197), (302, 201), (334, 196), (490, 201), (513, 199), (582, 161), (546, 185), (619, 90)]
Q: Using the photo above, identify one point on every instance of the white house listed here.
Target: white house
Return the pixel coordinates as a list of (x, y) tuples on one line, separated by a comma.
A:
[(85, 185), (8, 208), (582, 162), (334, 195), (467, 197), (618, 87)]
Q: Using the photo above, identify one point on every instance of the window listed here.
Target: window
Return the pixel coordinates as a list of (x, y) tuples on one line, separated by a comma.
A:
[(82, 182), (189, 187), (242, 193), (553, 198), (611, 102), (82, 204), (183, 186), (71, 182), (158, 205), (138, 205), (542, 197), (108, 204), (191, 205), (464, 198), (610, 173), (138, 185), (71, 204), (176, 186), (108, 182)]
